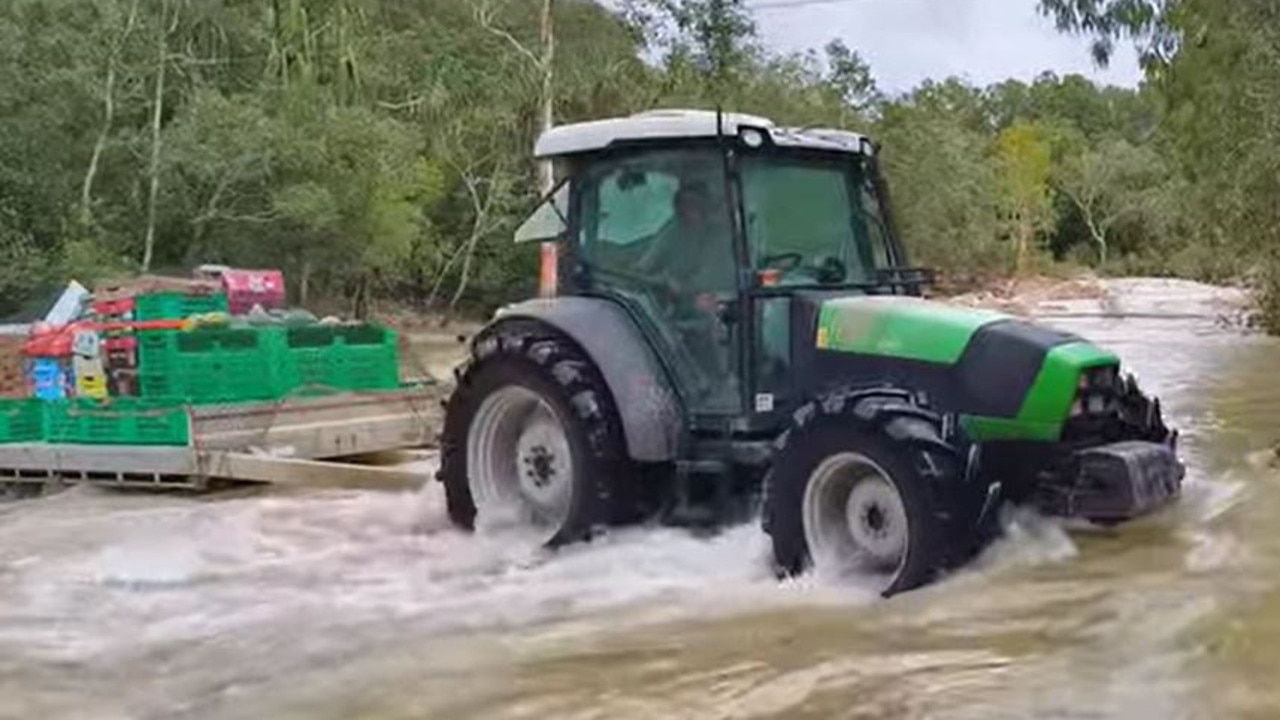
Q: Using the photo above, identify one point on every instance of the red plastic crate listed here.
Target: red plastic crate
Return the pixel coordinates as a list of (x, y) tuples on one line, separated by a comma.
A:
[(127, 343), (246, 288), (114, 308), (53, 341)]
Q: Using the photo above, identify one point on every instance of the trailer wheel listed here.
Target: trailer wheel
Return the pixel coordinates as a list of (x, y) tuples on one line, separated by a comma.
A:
[(532, 440), (866, 489)]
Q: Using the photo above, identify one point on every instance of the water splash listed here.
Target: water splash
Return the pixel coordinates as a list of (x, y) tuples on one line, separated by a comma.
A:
[(252, 592)]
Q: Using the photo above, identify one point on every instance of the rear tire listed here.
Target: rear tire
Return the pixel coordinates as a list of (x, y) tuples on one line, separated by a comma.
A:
[(865, 485), (532, 438)]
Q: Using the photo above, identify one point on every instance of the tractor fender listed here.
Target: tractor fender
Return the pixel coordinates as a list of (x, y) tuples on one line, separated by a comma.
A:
[(652, 418)]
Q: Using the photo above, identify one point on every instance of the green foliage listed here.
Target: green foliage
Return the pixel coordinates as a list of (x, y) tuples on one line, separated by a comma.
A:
[(1269, 293), (944, 191), (1148, 21), (21, 264), (1024, 162), (377, 148), (1219, 134), (1114, 185), (850, 77)]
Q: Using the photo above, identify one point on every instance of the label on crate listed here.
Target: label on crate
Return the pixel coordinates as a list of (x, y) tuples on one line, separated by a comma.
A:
[(87, 345)]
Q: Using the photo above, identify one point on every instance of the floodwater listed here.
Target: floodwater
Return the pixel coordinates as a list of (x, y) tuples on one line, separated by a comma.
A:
[(362, 604)]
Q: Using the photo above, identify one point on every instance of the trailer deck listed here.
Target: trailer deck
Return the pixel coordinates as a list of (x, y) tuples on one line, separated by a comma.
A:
[(293, 441)]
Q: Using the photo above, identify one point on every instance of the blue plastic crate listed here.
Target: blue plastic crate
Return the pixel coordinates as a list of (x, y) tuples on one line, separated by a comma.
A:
[(49, 379)]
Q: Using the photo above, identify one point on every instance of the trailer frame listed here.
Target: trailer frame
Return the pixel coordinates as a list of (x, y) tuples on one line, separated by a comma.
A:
[(299, 441)]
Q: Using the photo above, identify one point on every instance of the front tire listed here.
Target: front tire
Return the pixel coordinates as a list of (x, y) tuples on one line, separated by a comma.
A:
[(532, 440), (866, 488)]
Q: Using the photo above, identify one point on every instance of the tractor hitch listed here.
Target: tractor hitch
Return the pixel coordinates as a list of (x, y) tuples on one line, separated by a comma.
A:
[(1114, 483)]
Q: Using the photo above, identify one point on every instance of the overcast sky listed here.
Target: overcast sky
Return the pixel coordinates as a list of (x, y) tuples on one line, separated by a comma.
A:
[(907, 41)]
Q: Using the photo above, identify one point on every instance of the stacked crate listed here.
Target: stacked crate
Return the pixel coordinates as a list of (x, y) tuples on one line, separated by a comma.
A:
[(116, 421), (120, 356), (247, 289), (121, 313), (210, 364), (324, 358), (88, 364), (49, 378), (22, 420), (47, 359), (128, 373), (206, 365), (88, 421), (177, 305), (119, 345)]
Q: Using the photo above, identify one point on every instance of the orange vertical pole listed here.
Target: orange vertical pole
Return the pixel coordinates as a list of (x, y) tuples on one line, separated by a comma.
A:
[(548, 276)]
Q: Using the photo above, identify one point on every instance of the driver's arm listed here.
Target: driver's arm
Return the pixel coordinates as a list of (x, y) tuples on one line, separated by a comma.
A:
[(660, 245)]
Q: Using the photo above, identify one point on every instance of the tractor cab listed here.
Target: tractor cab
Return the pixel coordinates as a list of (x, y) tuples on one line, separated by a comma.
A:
[(705, 227)]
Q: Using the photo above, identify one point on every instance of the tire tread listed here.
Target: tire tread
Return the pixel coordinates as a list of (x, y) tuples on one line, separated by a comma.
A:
[(901, 422), (531, 349)]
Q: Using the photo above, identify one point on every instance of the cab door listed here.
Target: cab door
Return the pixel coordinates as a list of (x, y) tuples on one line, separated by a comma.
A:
[(654, 231)]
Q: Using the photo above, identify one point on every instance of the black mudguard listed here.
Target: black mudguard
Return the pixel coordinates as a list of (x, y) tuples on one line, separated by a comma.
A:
[(652, 417)]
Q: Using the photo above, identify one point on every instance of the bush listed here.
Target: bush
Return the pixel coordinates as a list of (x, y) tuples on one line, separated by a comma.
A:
[(1268, 293)]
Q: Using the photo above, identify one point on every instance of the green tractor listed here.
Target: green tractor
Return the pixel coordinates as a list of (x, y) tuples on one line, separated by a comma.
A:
[(729, 326)]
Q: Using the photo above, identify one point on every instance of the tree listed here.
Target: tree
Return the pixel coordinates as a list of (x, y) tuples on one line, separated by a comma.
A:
[(716, 39), (851, 77), (1023, 158), (382, 148), (167, 28), (944, 188), (116, 49), (1149, 23), (1110, 185)]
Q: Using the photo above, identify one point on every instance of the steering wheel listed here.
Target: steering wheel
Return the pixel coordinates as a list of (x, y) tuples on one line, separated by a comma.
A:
[(831, 270)]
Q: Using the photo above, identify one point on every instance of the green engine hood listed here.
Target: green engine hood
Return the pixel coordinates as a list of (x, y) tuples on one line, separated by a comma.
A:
[(1008, 379)]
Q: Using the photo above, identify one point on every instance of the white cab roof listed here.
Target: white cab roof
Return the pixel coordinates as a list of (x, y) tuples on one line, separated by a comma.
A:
[(674, 124)]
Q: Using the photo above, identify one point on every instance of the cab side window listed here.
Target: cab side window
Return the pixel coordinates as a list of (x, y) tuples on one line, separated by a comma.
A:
[(634, 204), (635, 219)]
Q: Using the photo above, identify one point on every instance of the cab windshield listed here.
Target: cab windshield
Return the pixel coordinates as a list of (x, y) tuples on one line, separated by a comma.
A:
[(815, 218)]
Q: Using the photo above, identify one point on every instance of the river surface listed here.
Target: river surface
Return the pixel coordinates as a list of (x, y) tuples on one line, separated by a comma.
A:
[(365, 604)]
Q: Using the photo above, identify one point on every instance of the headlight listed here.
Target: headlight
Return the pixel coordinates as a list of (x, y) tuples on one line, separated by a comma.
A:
[(1096, 391)]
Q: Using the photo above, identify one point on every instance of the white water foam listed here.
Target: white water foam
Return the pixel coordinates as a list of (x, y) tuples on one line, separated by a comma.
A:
[(92, 577)]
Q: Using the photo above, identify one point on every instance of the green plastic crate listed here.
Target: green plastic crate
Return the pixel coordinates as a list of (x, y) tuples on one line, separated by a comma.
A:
[(327, 358), (156, 347), (213, 379), (161, 349), (176, 306), (118, 421), (21, 421), (211, 365), (367, 369), (247, 364)]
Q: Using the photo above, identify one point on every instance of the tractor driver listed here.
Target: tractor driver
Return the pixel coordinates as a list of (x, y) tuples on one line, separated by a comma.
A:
[(693, 255)]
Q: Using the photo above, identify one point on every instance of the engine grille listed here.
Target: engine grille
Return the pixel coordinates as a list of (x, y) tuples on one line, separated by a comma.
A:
[(1110, 407)]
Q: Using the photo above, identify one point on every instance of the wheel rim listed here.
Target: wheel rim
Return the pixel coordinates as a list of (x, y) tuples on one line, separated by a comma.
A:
[(520, 468), (855, 522)]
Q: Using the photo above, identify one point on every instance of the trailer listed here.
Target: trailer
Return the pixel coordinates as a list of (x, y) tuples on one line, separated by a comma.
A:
[(297, 441)]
